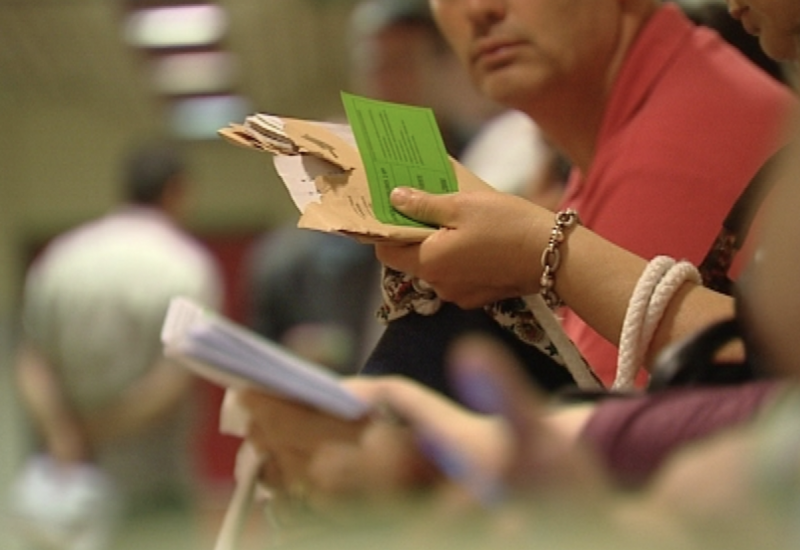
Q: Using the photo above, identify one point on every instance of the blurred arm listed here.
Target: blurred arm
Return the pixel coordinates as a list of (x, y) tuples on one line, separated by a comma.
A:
[(142, 404), (55, 419)]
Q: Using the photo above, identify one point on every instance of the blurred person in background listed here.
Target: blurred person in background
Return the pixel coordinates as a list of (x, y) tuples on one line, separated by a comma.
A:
[(398, 54), (511, 154), (313, 293), (112, 417)]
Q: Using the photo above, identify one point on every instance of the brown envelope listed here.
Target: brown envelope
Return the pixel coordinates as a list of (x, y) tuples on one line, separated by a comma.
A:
[(345, 206)]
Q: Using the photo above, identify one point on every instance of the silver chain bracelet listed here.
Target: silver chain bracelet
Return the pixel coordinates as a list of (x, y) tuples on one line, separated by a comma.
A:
[(551, 256)]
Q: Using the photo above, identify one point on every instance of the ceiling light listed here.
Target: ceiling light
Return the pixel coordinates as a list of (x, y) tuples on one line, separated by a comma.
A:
[(176, 26), (201, 117), (194, 73)]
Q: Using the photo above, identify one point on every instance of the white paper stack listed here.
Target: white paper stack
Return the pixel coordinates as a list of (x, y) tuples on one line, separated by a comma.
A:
[(233, 356)]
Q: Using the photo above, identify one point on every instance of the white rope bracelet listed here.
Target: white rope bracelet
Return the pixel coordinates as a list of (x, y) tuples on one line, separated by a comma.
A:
[(655, 289), (627, 364)]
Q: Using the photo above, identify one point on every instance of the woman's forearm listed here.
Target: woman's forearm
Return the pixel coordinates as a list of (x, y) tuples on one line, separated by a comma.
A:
[(597, 278)]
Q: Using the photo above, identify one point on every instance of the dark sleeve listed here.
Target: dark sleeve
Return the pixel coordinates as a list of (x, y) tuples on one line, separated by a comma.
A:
[(416, 345), (634, 435)]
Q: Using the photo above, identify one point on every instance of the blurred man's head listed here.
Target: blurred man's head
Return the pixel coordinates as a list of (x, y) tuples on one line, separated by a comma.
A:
[(154, 174), (395, 51), (399, 55)]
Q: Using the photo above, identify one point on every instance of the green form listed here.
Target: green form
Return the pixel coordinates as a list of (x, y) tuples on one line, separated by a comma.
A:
[(401, 146)]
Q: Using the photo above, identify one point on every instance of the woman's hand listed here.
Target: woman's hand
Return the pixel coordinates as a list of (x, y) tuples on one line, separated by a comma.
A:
[(418, 439), (488, 246), (319, 459), (414, 437), (542, 455)]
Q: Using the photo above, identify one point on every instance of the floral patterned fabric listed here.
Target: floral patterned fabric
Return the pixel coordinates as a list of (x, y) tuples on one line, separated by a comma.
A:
[(403, 294)]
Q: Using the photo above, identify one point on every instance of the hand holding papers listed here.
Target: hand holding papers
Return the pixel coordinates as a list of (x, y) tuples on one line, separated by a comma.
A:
[(232, 356), (400, 145), (340, 176)]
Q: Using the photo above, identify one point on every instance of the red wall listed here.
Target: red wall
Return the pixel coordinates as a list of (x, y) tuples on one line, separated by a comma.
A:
[(216, 452)]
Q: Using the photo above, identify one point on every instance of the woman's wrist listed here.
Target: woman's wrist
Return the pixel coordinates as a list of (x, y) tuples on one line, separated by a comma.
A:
[(552, 255), (69, 444)]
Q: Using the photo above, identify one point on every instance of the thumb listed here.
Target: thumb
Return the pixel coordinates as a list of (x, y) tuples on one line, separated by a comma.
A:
[(487, 377), (424, 207)]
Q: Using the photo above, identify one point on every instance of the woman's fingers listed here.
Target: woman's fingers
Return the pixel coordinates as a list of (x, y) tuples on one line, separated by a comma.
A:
[(280, 423)]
